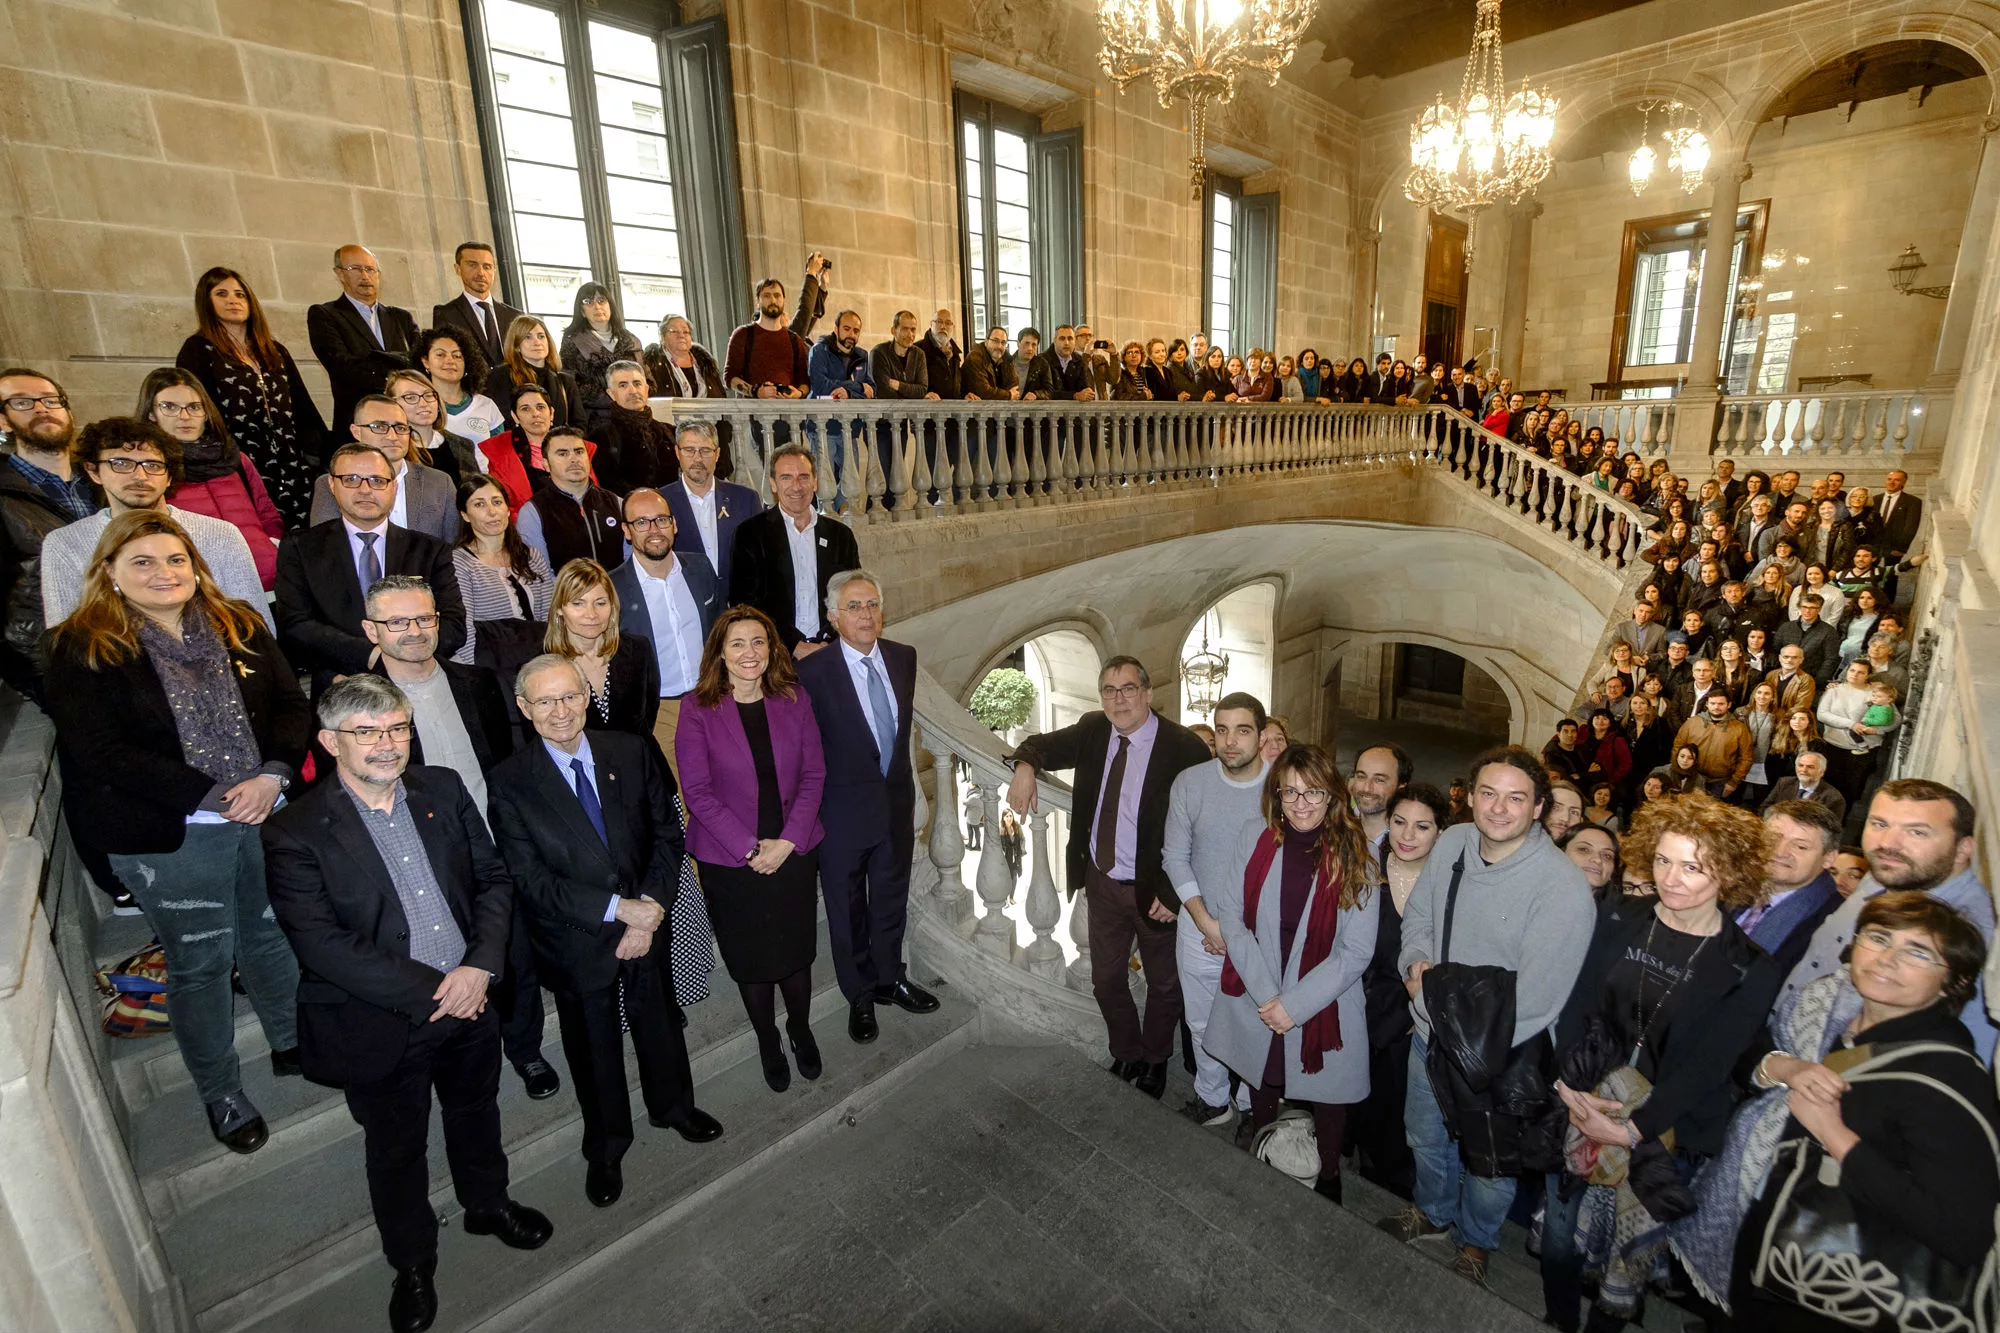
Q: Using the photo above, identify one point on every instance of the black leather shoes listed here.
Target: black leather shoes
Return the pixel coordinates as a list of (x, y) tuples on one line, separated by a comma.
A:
[(1152, 1079), (1328, 1187), (285, 1064), (905, 996), (517, 1225), (805, 1051), (1127, 1069), (861, 1024), (413, 1301), (539, 1078), (777, 1073), (697, 1126), (603, 1182), (683, 1016), (236, 1124)]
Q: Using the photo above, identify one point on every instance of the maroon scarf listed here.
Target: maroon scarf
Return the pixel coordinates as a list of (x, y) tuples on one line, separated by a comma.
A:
[(1321, 1032)]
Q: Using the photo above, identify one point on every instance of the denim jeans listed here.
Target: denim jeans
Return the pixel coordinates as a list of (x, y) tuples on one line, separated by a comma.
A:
[(1473, 1206), (207, 905), (1562, 1262)]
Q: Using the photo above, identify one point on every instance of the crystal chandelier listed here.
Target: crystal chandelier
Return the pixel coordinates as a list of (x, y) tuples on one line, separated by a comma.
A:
[(1204, 674), (1490, 147), (1687, 148), (1195, 49)]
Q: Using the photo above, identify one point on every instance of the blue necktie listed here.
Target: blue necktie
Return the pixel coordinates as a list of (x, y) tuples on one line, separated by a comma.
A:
[(587, 795), (878, 712)]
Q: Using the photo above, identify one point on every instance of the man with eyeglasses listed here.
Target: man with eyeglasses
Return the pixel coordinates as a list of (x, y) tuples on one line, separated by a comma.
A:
[(1918, 837), (587, 824), (323, 572), (669, 602), (863, 692), (1799, 892), (462, 723), (571, 518), (426, 500), (136, 463), (397, 903), (39, 493), (634, 448), (1126, 759), (707, 511), (357, 338)]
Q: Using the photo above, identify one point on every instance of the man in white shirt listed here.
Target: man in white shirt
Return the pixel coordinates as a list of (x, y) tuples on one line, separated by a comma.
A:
[(707, 510), (670, 602)]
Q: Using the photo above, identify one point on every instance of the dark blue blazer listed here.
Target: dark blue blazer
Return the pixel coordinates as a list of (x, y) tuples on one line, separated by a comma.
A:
[(634, 618), (733, 504), (865, 805)]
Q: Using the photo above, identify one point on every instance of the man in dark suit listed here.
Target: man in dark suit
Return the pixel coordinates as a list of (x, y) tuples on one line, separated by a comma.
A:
[(389, 889), (1799, 891), (477, 310), (470, 729), (588, 828), (1809, 784), (1117, 851), (357, 339), (863, 693), (707, 511), (783, 557), (1900, 515), (1065, 369), (323, 572), (1382, 385), (670, 601)]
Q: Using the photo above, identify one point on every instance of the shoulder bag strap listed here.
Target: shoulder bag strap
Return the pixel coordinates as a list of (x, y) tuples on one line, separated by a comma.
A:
[(1451, 906)]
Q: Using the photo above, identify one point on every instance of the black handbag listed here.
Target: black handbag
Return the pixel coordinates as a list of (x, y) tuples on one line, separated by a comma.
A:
[(1821, 1253), (1497, 1100)]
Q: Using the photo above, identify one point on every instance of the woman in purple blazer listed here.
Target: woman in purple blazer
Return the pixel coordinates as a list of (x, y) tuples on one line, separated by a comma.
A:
[(751, 773)]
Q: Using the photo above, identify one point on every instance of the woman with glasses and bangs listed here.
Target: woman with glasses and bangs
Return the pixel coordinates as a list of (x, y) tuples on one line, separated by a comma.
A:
[(1291, 1017), (180, 725), (217, 479)]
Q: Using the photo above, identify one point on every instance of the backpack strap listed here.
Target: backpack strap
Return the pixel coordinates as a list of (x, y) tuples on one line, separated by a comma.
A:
[(1450, 907)]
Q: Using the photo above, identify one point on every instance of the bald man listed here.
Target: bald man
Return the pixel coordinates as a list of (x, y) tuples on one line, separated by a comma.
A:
[(357, 337)]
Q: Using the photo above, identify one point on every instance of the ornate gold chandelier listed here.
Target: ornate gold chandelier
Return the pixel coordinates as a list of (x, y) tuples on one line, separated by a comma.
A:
[(1490, 147), (1195, 49), (1687, 147)]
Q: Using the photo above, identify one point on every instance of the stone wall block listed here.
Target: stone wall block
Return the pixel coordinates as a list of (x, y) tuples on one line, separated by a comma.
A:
[(314, 149), (296, 210), (211, 133), (82, 256), (126, 191), (845, 44), (141, 326), (131, 53), (339, 29)]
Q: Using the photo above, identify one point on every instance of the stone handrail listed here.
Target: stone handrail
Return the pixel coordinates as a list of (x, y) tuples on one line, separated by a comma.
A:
[(947, 458), (1867, 425), (1642, 425)]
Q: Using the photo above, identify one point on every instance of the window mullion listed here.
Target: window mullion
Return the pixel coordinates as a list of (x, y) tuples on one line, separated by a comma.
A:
[(590, 147), (990, 202)]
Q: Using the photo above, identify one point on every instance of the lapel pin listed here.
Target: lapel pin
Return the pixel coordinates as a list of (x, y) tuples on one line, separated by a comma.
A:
[(244, 671)]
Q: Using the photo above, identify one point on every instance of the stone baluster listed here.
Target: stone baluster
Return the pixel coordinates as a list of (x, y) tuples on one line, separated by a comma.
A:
[(994, 933), (947, 847), (1798, 432), (822, 460), (1857, 431), (1817, 434), (1020, 454), (1902, 431), (1043, 910), (961, 469), (878, 483), (974, 447), (1035, 434), (1079, 935), (1009, 468), (847, 455)]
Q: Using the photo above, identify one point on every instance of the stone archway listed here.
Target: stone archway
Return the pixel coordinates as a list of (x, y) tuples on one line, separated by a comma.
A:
[(1443, 702)]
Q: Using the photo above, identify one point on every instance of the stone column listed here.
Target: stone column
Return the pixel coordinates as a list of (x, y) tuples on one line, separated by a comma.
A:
[(1694, 422), (1513, 330), (1970, 272)]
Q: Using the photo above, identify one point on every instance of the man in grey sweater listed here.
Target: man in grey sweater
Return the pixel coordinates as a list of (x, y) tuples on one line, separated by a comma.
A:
[(1521, 906), (1206, 811)]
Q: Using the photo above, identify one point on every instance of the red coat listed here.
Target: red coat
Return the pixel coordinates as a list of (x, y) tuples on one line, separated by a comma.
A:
[(240, 499), (503, 463)]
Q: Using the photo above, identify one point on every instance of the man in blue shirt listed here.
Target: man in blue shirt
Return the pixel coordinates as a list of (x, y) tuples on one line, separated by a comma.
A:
[(838, 368)]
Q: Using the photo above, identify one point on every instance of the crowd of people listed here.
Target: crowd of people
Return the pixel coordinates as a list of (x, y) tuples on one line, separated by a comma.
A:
[(497, 685)]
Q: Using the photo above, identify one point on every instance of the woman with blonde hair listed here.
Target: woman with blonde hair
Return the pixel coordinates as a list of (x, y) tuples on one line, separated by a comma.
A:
[(620, 669), (180, 725), (1291, 1018), (529, 356)]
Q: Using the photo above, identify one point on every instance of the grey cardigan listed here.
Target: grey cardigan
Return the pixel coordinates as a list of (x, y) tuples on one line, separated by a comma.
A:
[(432, 503), (1237, 1036)]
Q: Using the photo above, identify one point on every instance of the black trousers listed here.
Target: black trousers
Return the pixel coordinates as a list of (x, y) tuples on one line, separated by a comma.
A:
[(459, 1059), (519, 996), (1116, 924), (595, 1049), (867, 892)]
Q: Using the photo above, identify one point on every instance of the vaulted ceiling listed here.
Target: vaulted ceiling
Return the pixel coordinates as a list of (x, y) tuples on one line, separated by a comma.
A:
[(1385, 38)]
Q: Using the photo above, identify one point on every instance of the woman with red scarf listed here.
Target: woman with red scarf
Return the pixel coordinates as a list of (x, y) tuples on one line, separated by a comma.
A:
[(1291, 1019)]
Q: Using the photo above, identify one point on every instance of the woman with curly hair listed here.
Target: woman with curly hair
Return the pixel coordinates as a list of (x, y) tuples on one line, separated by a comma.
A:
[(1291, 1018), (1671, 993)]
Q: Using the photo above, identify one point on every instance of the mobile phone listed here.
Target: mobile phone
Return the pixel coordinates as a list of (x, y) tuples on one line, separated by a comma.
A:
[(1102, 345)]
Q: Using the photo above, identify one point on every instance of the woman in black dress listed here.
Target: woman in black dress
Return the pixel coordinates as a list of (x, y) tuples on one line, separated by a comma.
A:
[(749, 753)]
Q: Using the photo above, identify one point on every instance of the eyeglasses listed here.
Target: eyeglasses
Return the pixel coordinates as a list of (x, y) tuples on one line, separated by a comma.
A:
[(1881, 941), (397, 624), (1110, 692), (852, 607), (574, 699), (24, 403), (354, 481), (1311, 796), (152, 467), (703, 452), (416, 399), (657, 521), (385, 427), (361, 270), (172, 409), (398, 731)]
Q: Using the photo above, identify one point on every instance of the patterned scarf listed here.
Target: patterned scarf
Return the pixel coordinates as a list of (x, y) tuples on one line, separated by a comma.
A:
[(201, 684)]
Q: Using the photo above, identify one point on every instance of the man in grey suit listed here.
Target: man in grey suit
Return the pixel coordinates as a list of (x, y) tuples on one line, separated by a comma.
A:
[(478, 309), (671, 602), (1809, 785), (426, 501)]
